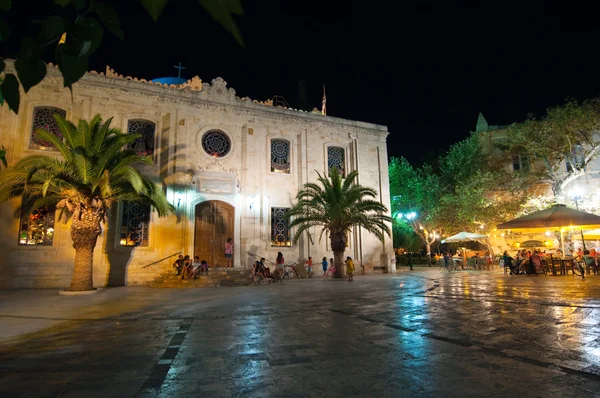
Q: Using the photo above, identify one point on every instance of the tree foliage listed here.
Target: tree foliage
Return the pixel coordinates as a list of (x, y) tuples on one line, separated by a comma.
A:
[(94, 172), (566, 134), (74, 33), (469, 191)]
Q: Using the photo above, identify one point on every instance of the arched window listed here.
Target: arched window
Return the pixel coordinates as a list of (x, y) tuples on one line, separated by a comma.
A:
[(43, 118), (216, 143), (37, 227), (280, 156), (144, 145), (135, 224), (336, 157)]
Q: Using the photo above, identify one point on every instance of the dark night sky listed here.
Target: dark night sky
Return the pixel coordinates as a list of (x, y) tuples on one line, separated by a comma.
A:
[(425, 69)]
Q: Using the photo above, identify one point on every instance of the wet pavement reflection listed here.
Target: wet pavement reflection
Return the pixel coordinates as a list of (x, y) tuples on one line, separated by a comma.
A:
[(423, 333)]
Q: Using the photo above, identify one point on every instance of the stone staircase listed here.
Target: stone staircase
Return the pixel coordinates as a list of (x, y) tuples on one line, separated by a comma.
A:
[(215, 277)]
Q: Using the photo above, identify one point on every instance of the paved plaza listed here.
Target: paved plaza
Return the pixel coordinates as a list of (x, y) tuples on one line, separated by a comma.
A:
[(420, 333)]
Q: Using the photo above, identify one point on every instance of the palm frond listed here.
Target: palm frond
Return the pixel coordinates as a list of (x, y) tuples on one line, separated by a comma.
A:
[(94, 171)]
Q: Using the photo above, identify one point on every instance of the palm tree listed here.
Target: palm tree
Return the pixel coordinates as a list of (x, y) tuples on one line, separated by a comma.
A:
[(338, 205), (93, 172)]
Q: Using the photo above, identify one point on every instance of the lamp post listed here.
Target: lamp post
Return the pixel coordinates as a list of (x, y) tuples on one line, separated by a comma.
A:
[(576, 194), (409, 216)]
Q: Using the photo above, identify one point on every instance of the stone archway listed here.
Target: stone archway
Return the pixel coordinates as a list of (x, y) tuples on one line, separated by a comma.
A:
[(214, 223)]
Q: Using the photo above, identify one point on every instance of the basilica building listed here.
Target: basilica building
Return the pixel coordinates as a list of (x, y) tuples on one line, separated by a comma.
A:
[(230, 166)]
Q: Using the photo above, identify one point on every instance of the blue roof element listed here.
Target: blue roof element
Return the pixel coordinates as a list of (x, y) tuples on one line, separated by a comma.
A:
[(170, 80)]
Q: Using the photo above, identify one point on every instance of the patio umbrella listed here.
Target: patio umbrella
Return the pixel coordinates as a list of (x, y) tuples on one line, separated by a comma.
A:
[(555, 218), (465, 237)]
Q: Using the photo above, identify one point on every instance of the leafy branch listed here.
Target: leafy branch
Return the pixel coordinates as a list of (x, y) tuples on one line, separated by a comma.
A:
[(75, 39)]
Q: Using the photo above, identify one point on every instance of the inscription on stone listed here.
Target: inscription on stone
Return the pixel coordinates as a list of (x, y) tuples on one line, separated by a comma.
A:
[(215, 185)]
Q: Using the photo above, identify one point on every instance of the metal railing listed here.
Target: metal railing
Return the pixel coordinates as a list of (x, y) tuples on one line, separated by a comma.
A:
[(162, 259)]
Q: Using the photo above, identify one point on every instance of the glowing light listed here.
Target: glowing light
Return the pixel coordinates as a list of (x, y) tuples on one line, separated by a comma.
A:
[(548, 233)]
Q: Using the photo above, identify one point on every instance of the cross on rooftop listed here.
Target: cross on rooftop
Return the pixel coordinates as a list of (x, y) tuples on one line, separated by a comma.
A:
[(179, 68)]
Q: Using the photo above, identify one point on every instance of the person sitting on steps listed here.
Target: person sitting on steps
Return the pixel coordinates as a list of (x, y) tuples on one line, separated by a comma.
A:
[(178, 264)]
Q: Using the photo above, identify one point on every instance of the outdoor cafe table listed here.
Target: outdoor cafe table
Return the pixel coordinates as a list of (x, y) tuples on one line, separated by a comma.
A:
[(559, 265)]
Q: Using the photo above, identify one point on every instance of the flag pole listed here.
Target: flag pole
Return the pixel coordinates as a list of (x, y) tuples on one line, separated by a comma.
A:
[(324, 103)]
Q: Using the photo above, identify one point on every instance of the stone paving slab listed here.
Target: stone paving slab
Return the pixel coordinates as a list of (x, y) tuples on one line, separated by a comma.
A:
[(424, 333)]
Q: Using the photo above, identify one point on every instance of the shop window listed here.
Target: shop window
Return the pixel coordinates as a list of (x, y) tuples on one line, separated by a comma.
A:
[(37, 227)]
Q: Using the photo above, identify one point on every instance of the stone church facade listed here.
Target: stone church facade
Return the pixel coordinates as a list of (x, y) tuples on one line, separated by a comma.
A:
[(230, 166)]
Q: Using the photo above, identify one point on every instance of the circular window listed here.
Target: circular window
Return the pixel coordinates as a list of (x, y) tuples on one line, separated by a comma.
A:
[(216, 143)]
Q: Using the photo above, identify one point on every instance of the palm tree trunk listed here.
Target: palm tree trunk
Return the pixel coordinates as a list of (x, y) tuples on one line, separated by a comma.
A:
[(338, 259), (338, 245), (84, 232)]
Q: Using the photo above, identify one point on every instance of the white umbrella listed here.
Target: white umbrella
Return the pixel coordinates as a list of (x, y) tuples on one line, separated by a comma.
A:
[(465, 237)]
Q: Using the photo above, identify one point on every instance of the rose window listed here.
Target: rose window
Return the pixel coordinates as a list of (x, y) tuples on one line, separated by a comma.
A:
[(216, 143), (43, 118)]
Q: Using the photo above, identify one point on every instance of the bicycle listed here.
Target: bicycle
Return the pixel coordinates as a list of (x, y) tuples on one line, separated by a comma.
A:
[(579, 268)]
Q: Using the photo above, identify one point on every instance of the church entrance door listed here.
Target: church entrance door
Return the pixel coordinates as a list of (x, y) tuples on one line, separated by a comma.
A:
[(214, 224)]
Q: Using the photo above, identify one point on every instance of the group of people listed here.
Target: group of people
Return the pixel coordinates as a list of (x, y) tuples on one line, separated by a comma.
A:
[(476, 261), (528, 262), (189, 269), (260, 270)]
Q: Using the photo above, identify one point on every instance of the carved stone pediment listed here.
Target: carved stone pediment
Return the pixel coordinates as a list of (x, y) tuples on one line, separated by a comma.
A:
[(218, 89)]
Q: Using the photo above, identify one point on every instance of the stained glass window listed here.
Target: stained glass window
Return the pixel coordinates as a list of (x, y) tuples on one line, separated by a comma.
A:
[(216, 143), (37, 227), (144, 145), (134, 224), (280, 156), (280, 233), (336, 158), (43, 118)]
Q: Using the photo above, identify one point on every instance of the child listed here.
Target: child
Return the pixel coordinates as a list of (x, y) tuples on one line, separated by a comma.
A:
[(204, 267), (331, 269), (309, 267), (196, 267), (350, 268), (324, 264), (229, 253)]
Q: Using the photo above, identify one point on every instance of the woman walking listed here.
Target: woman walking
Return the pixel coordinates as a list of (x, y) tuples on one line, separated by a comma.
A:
[(279, 261)]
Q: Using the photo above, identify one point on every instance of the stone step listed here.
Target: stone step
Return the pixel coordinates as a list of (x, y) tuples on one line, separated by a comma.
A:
[(230, 278)]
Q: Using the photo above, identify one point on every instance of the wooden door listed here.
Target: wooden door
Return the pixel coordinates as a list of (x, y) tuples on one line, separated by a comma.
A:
[(214, 224)]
